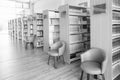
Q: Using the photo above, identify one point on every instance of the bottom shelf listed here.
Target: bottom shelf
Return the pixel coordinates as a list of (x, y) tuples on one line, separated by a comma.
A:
[(39, 46), (75, 56), (115, 71), (74, 59), (117, 78)]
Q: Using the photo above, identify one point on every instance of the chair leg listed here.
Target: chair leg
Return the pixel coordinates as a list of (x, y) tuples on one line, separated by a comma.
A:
[(88, 76), (32, 44), (48, 59), (55, 62), (103, 77), (95, 77), (26, 44), (63, 59), (57, 58), (81, 75)]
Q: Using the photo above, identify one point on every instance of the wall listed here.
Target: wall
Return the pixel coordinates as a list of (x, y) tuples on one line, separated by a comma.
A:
[(41, 5), (47, 4), (76, 2)]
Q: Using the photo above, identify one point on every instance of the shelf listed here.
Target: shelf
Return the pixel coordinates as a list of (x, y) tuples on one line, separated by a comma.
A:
[(39, 30), (56, 32), (39, 46), (54, 25), (116, 26), (75, 42), (116, 71), (116, 62), (78, 14), (114, 7), (85, 23), (115, 49), (76, 58), (76, 7), (53, 18), (115, 21), (39, 18), (76, 51), (39, 36), (115, 36), (39, 24), (75, 33)]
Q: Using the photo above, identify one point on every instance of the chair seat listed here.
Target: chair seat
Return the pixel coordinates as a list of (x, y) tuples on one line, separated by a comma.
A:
[(28, 42), (53, 53), (91, 67)]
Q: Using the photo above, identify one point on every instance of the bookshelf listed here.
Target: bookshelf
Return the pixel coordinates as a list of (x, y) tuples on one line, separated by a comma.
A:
[(13, 28), (9, 28), (15, 23), (51, 28), (38, 22), (115, 38), (105, 33), (74, 30), (30, 25), (19, 32), (24, 28)]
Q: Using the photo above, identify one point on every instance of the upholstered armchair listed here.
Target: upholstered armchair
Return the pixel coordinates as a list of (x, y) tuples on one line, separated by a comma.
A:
[(93, 62), (56, 51), (30, 40)]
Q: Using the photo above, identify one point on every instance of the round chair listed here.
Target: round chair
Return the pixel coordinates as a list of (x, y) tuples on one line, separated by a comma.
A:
[(56, 51), (93, 62)]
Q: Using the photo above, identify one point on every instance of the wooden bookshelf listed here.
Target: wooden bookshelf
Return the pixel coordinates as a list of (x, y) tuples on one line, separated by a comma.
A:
[(10, 28), (38, 23), (13, 28), (116, 38), (74, 30), (51, 28), (24, 28), (19, 32), (105, 33), (30, 25), (15, 25)]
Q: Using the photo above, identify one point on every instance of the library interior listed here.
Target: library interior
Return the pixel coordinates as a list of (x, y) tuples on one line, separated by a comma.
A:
[(59, 39)]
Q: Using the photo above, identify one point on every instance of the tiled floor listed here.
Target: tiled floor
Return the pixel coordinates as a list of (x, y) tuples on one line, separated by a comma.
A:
[(16, 63)]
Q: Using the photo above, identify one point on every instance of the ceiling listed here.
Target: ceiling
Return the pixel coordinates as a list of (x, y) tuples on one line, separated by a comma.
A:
[(25, 1)]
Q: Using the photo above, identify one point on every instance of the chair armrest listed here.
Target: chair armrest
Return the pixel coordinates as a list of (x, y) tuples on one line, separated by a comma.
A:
[(55, 46), (103, 65), (85, 56), (52, 47), (61, 50)]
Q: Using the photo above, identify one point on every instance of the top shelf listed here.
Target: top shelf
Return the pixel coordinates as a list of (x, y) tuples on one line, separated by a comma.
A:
[(80, 14), (76, 7)]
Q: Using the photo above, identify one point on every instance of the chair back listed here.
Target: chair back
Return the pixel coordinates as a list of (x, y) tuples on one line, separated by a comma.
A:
[(32, 38), (59, 46), (97, 55), (62, 48), (56, 45)]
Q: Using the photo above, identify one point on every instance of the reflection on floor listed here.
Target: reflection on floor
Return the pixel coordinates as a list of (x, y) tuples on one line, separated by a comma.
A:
[(16, 63)]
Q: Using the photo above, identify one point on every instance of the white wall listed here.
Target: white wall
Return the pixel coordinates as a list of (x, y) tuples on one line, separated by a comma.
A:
[(47, 4), (76, 2), (54, 4)]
